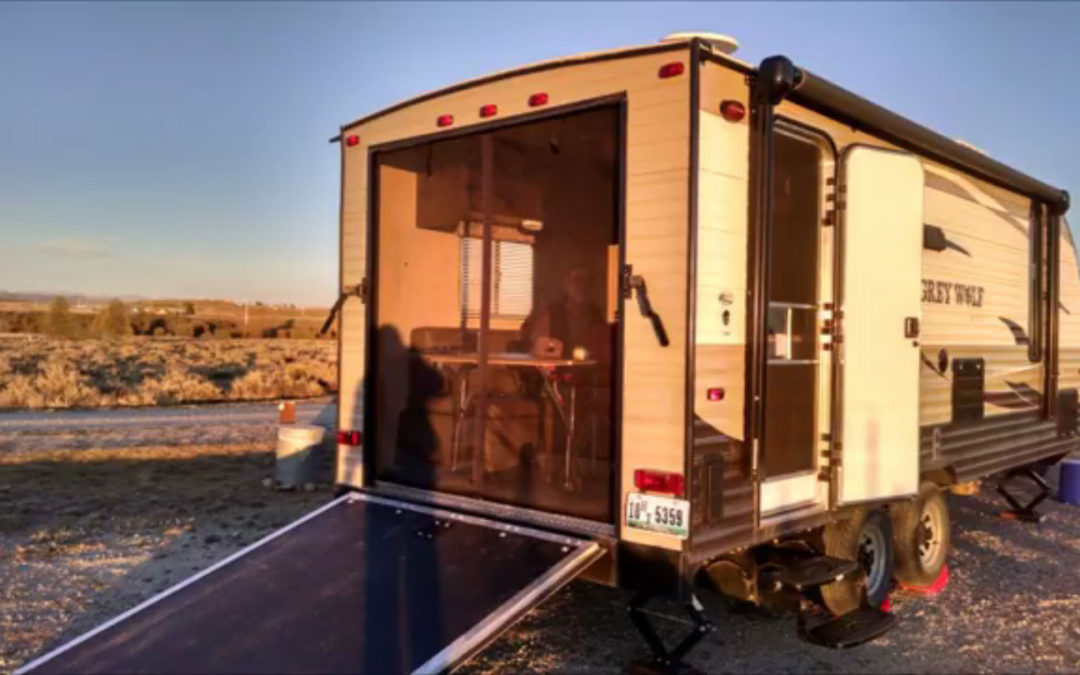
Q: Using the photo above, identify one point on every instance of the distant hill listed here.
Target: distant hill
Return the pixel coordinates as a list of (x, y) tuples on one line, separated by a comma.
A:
[(17, 296), (203, 304)]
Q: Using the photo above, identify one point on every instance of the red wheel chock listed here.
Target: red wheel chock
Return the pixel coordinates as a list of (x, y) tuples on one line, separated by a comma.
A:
[(933, 589)]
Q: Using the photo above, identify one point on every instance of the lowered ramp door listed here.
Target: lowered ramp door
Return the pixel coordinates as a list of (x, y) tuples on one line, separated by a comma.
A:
[(879, 354), (364, 584)]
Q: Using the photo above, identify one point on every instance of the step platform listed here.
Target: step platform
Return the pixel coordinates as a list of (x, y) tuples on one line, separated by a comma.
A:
[(851, 629), (815, 571)]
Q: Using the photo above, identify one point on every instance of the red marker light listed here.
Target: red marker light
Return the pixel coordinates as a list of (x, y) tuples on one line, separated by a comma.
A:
[(444, 120), (715, 394), (353, 438), (488, 110), (352, 140), (538, 99), (732, 111), (671, 69), (648, 480)]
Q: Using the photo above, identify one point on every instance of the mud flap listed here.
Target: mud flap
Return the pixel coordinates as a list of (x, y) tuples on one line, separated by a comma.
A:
[(363, 584)]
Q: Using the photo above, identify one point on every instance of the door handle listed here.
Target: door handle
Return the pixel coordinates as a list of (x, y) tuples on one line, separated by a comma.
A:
[(635, 284)]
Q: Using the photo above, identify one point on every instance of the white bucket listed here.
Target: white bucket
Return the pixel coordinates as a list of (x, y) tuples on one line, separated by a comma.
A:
[(298, 451)]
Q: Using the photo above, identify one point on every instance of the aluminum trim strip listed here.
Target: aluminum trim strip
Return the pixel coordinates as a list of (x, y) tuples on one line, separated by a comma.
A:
[(514, 608), (565, 540), (580, 526)]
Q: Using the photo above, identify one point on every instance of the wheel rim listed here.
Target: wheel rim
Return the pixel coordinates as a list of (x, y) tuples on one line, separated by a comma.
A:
[(930, 535), (872, 551)]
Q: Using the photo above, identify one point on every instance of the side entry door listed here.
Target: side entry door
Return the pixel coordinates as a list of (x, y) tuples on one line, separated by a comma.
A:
[(880, 294)]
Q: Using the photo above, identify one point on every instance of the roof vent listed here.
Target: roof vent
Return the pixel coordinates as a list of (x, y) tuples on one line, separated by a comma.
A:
[(725, 44)]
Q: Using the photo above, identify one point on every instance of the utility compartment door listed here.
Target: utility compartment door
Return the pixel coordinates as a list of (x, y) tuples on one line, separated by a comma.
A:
[(362, 585), (881, 268)]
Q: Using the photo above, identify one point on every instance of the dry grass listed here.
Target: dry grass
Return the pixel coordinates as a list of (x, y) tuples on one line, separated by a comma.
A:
[(219, 319), (145, 371)]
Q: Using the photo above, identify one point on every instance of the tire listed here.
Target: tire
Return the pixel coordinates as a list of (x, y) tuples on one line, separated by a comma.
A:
[(866, 537), (921, 536)]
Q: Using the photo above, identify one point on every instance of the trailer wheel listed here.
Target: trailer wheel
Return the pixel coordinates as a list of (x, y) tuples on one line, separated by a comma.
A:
[(867, 538), (921, 531)]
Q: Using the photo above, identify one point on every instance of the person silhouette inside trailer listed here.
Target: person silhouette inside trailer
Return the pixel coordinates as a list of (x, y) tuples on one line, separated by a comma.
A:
[(572, 319)]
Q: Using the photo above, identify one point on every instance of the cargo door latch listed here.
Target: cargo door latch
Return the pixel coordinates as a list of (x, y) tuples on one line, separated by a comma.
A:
[(634, 284), (360, 290), (911, 327)]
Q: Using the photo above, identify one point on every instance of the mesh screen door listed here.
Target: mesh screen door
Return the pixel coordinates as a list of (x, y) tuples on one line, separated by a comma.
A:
[(791, 325), (496, 354)]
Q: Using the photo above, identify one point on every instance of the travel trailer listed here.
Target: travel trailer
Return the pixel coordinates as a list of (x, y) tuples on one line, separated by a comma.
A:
[(662, 319)]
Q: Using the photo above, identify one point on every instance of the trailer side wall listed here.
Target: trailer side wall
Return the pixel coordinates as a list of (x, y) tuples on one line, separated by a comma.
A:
[(977, 305)]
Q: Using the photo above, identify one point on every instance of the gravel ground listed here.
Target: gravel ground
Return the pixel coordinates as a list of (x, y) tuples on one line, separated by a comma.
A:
[(91, 528), (308, 411), (1012, 605)]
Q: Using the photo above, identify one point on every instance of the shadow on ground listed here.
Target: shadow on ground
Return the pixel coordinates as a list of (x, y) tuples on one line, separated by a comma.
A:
[(86, 535)]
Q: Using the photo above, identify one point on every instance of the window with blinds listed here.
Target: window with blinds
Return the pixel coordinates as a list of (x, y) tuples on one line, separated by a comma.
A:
[(511, 278)]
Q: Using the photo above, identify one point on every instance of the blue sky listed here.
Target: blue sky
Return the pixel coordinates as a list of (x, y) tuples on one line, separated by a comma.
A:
[(181, 149)]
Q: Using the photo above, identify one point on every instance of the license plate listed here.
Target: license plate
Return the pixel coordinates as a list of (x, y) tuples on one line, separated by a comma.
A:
[(658, 514)]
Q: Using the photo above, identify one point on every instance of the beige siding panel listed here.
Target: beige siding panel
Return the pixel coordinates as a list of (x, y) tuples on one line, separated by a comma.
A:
[(721, 272), (646, 161), (719, 83), (657, 214), (728, 151), (661, 131), (721, 366), (984, 194), (660, 210), (353, 317), (1008, 371), (1068, 313), (719, 357), (992, 226), (657, 168), (997, 263)]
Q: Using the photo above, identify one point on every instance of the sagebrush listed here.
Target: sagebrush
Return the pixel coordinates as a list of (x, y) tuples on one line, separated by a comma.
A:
[(134, 371)]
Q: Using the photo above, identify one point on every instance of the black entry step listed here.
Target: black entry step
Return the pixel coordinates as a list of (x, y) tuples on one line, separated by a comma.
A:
[(815, 571), (854, 628)]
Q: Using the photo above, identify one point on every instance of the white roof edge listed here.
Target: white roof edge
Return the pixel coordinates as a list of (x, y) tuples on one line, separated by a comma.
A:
[(558, 61)]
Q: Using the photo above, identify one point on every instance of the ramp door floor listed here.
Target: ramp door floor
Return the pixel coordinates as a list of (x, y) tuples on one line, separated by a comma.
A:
[(364, 584)]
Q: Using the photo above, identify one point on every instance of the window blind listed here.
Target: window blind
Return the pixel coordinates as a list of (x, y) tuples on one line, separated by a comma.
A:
[(511, 278)]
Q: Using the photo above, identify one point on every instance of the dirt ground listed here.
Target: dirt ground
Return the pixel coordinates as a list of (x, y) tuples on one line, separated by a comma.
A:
[(88, 532), (90, 527)]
